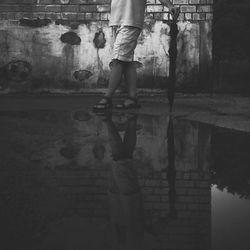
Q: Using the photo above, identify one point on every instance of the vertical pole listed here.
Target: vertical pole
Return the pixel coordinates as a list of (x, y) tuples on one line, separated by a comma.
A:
[(172, 64)]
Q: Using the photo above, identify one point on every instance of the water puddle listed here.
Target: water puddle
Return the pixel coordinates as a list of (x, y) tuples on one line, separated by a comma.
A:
[(74, 180)]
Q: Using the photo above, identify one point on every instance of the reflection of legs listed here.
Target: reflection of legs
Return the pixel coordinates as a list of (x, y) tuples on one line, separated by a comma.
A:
[(130, 136), (126, 179), (126, 203), (133, 215), (115, 140)]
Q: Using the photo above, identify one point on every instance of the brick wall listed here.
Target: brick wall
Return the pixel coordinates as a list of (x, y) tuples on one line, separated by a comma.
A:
[(189, 229), (97, 10)]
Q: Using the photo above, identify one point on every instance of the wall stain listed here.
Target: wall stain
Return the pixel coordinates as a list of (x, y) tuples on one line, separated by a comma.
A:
[(70, 38), (82, 75), (99, 40), (68, 52), (34, 23), (16, 70)]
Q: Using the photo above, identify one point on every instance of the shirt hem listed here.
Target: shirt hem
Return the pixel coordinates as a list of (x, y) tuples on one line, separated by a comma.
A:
[(126, 24)]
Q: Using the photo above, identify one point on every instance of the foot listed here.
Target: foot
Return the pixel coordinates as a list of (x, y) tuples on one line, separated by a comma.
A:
[(129, 103), (104, 104)]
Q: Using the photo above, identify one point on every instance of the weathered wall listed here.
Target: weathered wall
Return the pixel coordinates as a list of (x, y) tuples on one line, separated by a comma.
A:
[(59, 45)]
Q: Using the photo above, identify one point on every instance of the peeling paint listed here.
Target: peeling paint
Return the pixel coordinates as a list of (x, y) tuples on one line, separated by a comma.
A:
[(82, 75), (17, 71), (34, 23), (99, 40), (71, 38)]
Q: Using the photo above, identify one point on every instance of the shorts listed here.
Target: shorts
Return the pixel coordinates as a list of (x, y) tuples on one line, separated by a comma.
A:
[(125, 41)]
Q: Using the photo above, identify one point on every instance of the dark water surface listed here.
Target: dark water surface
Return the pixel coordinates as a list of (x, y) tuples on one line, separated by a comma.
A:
[(77, 181)]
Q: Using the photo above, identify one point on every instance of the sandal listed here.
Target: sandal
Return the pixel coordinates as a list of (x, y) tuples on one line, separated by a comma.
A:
[(130, 105), (103, 106)]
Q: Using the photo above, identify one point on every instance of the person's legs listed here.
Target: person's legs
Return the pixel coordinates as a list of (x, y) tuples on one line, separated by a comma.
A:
[(130, 78), (123, 53), (130, 137), (130, 75), (117, 71)]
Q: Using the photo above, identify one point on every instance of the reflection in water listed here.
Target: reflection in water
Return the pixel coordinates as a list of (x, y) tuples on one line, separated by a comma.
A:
[(75, 181), (230, 212), (125, 201), (171, 171), (231, 154)]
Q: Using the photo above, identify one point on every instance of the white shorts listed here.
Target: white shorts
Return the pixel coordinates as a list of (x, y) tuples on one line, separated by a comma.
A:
[(125, 41)]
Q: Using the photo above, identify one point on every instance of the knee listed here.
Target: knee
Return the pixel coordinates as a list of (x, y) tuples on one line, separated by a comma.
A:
[(116, 62)]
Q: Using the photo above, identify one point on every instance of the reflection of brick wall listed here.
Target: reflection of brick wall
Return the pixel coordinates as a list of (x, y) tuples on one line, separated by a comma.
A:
[(92, 10), (88, 190), (55, 186), (191, 227)]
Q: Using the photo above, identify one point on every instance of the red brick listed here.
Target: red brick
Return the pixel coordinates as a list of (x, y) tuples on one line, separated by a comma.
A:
[(70, 8), (188, 8), (88, 8), (180, 1), (103, 8), (18, 2), (96, 10), (194, 1), (204, 8)]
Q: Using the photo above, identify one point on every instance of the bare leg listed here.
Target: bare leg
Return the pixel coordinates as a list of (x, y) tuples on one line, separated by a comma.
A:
[(131, 77), (114, 81), (115, 140)]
